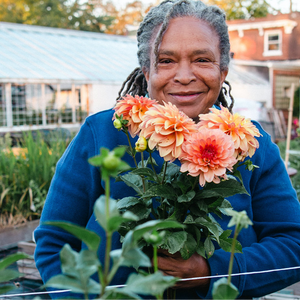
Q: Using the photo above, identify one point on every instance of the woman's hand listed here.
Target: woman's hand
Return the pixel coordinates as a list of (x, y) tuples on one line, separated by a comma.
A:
[(175, 265)]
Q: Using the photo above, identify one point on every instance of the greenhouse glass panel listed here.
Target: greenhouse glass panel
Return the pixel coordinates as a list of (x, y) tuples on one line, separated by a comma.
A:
[(2, 106)]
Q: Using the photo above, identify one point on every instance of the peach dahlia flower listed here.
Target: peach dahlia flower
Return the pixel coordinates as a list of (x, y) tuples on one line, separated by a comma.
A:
[(133, 110), (208, 153), (242, 131), (166, 128)]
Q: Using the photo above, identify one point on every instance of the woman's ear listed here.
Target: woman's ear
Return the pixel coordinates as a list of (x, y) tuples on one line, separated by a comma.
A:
[(223, 75), (146, 73)]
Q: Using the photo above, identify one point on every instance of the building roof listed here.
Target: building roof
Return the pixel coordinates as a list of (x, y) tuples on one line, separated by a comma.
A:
[(42, 54), (238, 74)]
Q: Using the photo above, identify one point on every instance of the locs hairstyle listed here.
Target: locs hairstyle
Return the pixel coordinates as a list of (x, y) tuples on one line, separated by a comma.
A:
[(157, 21)]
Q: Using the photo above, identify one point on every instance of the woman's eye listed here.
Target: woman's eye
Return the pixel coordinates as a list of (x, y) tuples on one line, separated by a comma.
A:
[(165, 61), (203, 60)]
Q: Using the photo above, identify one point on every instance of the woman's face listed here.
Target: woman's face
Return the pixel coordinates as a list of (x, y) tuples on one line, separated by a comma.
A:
[(188, 71)]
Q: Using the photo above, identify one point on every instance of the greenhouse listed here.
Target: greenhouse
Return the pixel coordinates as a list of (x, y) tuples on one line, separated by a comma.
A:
[(53, 77)]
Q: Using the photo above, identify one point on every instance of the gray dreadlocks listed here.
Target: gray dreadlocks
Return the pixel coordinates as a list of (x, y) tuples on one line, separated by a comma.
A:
[(159, 17)]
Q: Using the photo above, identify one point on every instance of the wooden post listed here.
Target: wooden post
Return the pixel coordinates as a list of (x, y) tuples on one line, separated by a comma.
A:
[(289, 130)]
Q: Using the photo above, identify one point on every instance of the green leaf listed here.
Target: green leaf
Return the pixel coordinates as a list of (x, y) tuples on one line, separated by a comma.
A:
[(141, 211), (96, 160), (226, 242), (239, 219), (224, 189), (133, 257), (65, 282), (202, 206), (114, 223), (146, 172), (10, 259), (201, 250), (127, 202), (225, 205), (100, 211), (119, 294), (119, 151), (7, 275), (209, 247), (224, 290), (87, 263), (68, 258), (134, 181), (90, 238), (140, 230), (153, 284), (174, 241), (6, 288), (164, 191), (172, 169), (189, 247), (211, 226), (186, 197)]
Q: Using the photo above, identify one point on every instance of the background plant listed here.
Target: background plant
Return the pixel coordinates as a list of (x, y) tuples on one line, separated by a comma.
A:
[(26, 172)]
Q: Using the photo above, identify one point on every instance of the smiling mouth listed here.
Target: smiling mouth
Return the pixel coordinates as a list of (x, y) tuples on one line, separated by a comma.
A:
[(185, 96)]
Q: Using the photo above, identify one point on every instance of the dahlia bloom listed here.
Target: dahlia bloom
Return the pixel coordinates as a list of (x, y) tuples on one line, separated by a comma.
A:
[(208, 153), (133, 110), (241, 130), (166, 128)]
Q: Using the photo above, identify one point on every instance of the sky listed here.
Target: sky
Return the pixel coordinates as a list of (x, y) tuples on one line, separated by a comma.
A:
[(283, 5)]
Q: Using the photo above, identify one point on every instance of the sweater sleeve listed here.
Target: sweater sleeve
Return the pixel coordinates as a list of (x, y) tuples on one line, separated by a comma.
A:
[(275, 212), (73, 191)]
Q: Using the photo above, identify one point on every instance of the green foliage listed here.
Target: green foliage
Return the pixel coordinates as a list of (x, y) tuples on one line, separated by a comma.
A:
[(173, 196), (25, 174), (243, 9), (223, 290), (54, 13), (7, 274), (77, 268)]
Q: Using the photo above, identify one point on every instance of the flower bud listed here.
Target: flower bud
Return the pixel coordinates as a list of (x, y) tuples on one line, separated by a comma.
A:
[(141, 144), (117, 123), (111, 162)]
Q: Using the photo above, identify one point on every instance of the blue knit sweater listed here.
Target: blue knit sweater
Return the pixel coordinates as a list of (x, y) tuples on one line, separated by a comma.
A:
[(272, 242)]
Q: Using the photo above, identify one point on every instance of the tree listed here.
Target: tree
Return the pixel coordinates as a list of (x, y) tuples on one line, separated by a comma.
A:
[(132, 14), (243, 9), (54, 13)]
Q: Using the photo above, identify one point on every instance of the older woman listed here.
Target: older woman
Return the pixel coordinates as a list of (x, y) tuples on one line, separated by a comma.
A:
[(183, 51)]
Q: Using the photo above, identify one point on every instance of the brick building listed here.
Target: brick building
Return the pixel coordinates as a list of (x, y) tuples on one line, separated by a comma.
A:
[(270, 47)]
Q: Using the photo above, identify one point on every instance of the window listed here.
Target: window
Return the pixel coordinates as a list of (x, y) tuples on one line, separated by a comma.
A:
[(273, 43)]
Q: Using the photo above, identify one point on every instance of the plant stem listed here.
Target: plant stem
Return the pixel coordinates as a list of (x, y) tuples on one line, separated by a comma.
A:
[(143, 178), (108, 238), (232, 254), (171, 293), (101, 279), (131, 149), (152, 165), (155, 263), (164, 171)]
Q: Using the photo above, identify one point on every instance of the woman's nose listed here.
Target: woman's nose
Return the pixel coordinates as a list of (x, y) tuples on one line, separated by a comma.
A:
[(184, 73)]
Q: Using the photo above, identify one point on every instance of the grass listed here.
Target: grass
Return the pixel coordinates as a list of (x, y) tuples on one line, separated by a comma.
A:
[(25, 174), (294, 162)]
